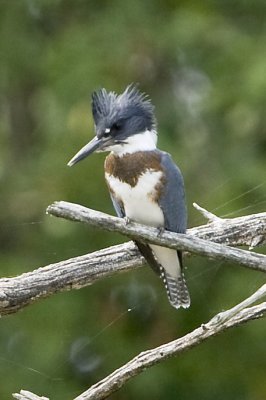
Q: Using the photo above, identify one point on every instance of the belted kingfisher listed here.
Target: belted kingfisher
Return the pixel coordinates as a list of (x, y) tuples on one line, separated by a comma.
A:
[(144, 183)]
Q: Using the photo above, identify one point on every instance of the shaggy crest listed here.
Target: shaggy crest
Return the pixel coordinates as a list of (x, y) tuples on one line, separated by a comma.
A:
[(111, 106)]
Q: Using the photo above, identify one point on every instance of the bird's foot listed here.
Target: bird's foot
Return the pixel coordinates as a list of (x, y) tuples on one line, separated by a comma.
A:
[(160, 231), (127, 220)]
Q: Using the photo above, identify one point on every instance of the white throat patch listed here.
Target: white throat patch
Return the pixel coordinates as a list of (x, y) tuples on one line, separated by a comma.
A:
[(144, 141)]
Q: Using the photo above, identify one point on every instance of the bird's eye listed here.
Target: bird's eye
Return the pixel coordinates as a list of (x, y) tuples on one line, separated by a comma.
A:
[(116, 126)]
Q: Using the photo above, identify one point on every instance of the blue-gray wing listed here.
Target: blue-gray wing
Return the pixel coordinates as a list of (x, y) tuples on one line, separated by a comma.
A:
[(118, 206), (172, 200)]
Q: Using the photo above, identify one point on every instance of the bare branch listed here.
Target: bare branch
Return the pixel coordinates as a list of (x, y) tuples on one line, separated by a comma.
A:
[(18, 292), (25, 395), (218, 324), (178, 241), (207, 214), (146, 359), (75, 273), (249, 230), (226, 315)]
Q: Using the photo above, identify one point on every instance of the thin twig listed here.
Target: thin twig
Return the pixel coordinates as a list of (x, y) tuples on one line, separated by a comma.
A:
[(207, 214), (226, 315)]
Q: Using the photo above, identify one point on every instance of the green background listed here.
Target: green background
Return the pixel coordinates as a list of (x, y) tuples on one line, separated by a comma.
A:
[(203, 63)]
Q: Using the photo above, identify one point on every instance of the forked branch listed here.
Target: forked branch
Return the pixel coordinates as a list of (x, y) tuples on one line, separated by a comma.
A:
[(250, 230), (75, 212), (18, 292), (233, 317)]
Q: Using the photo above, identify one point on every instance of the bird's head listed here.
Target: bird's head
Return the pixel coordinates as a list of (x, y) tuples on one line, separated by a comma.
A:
[(124, 123)]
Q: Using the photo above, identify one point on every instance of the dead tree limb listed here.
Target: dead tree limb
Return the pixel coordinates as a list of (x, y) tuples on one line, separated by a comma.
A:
[(146, 359), (249, 230), (233, 317), (25, 395), (75, 273), (75, 212)]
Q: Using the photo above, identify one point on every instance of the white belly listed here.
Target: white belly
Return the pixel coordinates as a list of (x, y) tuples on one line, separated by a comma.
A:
[(168, 259), (138, 200), (140, 207)]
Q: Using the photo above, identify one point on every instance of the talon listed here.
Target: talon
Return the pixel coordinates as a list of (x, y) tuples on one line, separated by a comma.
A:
[(160, 231), (127, 220)]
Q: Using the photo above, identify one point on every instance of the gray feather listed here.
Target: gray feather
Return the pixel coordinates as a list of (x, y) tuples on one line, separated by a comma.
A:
[(172, 200), (118, 206), (177, 290), (173, 205), (131, 107)]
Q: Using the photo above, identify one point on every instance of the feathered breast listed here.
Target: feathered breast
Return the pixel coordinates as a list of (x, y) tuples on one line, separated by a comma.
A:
[(130, 167)]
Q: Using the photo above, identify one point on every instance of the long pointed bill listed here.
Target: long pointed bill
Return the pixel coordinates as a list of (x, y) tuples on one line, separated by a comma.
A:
[(89, 148)]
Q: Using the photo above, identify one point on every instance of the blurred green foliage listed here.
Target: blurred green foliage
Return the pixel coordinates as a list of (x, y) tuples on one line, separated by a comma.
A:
[(203, 64)]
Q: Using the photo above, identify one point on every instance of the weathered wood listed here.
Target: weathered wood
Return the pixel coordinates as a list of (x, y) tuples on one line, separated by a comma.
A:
[(233, 317), (75, 273), (249, 230), (178, 241), (146, 359), (25, 395), (17, 292)]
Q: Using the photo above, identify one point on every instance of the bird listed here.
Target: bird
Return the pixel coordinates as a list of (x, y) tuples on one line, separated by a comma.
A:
[(144, 183)]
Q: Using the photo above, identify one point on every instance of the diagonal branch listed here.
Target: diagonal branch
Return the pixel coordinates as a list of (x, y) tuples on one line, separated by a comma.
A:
[(178, 241), (25, 395), (250, 230), (233, 317), (147, 359), (75, 273)]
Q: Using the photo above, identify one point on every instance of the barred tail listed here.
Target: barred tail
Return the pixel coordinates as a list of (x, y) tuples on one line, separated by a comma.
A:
[(177, 290), (168, 264)]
